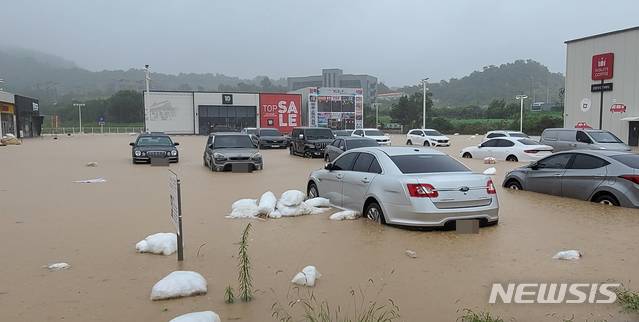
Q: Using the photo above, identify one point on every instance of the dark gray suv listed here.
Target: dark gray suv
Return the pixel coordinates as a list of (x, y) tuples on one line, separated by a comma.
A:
[(310, 141)]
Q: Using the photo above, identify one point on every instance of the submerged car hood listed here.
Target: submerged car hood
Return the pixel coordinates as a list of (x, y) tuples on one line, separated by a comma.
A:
[(155, 148), (273, 138), (236, 151)]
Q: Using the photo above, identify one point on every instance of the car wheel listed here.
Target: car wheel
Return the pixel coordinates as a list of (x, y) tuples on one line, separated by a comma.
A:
[(290, 150), (512, 158), (514, 185), (467, 155), (312, 191), (607, 199), (409, 142), (374, 212), (426, 143), (308, 154), (211, 165)]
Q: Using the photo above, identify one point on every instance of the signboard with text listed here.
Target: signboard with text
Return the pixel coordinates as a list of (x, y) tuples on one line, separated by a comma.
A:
[(605, 87), (602, 66), (280, 111)]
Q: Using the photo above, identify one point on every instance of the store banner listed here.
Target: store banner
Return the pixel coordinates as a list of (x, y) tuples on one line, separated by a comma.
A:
[(312, 108), (359, 111), (280, 111)]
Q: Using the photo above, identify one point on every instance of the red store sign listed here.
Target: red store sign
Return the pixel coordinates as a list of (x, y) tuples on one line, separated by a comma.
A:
[(602, 66), (618, 108), (280, 111)]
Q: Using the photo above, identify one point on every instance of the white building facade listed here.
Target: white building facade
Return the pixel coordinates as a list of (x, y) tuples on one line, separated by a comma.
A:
[(602, 83)]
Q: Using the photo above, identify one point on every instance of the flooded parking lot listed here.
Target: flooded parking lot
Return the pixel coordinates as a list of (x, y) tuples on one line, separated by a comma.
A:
[(45, 218)]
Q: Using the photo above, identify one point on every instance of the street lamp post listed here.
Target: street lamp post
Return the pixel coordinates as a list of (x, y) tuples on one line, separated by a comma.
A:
[(80, 106), (424, 82), (521, 99), (1, 82), (147, 79)]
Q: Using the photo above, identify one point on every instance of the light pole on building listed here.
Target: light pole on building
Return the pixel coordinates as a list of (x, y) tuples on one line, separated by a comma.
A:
[(424, 82), (80, 106), (521, 99), (1, 134)]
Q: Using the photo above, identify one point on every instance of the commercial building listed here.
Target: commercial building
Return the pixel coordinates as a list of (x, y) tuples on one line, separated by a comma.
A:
[(335, 108), (188, 112), (335, 78), (19, 115), (602, 83)]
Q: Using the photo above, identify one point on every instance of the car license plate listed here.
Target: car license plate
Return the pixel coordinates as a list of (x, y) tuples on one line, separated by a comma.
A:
[(275, 146)]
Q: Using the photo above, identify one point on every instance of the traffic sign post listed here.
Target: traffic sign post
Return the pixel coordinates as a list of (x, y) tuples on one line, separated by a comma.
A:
[(602, 69), (101, 122), (176, 210)]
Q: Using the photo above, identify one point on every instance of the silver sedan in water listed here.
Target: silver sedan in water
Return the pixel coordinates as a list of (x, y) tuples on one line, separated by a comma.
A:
[(406, 186), (607, 177)]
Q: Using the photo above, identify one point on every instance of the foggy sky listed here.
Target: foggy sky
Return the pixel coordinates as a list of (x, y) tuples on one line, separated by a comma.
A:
[(400, 42)]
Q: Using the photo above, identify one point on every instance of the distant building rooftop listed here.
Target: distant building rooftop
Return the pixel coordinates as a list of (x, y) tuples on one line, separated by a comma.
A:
[(603, 34)]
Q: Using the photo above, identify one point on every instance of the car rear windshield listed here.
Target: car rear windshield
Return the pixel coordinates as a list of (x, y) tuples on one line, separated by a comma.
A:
[(354, 144), (374, 133), (154, 140), (528, 142), (433, 133), (518, 135), (232, 141), (604, 137), (342, 133), (631, 160), (318, 134), (270, 132), (427, 163)]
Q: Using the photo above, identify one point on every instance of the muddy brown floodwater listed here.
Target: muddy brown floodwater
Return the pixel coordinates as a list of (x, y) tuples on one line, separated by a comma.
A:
[(45, 218)]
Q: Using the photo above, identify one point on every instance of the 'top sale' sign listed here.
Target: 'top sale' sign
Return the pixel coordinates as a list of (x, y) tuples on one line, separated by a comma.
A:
[(280, 111)]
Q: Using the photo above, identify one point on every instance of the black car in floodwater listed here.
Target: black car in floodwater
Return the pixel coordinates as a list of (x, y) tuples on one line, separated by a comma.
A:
[(310, 141), (271, 138), (154, 145)]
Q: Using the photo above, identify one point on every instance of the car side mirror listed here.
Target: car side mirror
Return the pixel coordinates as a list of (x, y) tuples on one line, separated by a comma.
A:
[(479, 146), (301, 136), (341, 147), (211, 146), (176, 143), (132, 144), (329, 166), (534, 165)]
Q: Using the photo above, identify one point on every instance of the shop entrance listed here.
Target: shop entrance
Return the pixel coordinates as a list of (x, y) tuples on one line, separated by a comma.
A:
[(233, 117), (633, 133)]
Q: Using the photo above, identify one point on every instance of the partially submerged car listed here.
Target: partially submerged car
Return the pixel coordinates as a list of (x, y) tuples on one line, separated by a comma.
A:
[(426, 137), (271, 138), (406, 186), (310, 141), (374, 134), (224, 150), (606, 177), (155, 145), (343, 144), (515, 149), (582, 139)]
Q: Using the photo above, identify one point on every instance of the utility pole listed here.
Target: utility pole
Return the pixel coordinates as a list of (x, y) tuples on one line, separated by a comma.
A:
[(80, 106), (521, 99), (424, 82), (147, 79), (1, 89)]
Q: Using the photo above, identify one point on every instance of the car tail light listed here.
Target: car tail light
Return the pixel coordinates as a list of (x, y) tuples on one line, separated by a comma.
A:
[(490, 187), (422, 190), (531, 151), (632, 177)]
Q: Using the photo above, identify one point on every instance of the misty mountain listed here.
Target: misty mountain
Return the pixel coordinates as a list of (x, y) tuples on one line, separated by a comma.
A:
[(55, 80), (497, 82)]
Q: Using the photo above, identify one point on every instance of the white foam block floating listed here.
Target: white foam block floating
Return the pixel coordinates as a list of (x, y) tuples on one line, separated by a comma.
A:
[(291, 198), (96, 180), (344, 215), (160, 243), (179, 284), (58, 266), (206, 316), (307, 276), (568, 255), (244, 208), (490, 171), (318, 202)]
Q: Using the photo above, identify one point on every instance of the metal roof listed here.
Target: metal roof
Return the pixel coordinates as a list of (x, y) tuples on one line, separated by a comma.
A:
[(602, 35)]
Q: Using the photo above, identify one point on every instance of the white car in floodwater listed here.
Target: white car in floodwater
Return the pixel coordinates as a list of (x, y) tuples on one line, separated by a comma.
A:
[(426, 137), (514, 149), (375, 134), (406, 186)]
